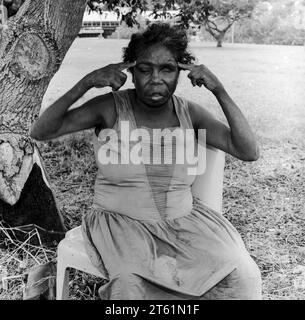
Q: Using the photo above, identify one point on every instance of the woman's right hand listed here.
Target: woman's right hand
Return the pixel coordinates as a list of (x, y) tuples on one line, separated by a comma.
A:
[(57, 120), (111, 75)]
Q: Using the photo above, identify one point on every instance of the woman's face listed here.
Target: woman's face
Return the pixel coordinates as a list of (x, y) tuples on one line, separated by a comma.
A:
[(155, 76)]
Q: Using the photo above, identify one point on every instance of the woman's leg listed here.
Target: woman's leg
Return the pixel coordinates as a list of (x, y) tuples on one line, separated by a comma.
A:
[(244, 283)]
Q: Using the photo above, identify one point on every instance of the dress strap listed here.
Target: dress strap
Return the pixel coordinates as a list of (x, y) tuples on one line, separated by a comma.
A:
[(123, 110), (182, 108)]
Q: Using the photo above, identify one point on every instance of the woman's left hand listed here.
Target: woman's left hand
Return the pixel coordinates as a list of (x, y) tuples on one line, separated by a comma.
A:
[(201, 75)]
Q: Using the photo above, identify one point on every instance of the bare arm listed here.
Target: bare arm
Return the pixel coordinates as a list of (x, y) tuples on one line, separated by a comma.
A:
[(238, 139), (57, 120)]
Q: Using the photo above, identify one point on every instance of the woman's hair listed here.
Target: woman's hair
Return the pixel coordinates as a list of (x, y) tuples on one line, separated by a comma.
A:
[(171, 37)]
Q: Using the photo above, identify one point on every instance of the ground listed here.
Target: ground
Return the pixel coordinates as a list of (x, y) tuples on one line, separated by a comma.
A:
[(264, 200)]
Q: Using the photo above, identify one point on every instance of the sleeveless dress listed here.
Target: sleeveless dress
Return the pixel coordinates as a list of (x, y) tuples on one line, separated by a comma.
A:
[(146, 232)]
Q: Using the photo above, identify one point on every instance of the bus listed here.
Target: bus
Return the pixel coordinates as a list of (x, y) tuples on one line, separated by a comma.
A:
[(99, 23)]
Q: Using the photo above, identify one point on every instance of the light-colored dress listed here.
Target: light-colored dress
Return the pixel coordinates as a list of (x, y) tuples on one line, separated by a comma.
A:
[(150, 237)]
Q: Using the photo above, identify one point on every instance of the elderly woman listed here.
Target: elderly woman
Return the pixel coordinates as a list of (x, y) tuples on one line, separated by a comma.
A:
[(146, 232)]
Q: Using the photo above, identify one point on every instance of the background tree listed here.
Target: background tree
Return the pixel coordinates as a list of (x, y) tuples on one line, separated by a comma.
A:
[(274, 22), (216, 16)]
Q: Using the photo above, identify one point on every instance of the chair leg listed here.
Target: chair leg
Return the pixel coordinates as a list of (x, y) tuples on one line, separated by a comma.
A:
[(62, 283)]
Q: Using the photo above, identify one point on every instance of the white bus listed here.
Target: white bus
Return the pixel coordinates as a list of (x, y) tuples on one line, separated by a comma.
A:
[(96, 23)]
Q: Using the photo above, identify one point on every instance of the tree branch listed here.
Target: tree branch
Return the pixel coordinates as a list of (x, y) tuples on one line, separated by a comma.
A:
[(207, 27), (214, 25)]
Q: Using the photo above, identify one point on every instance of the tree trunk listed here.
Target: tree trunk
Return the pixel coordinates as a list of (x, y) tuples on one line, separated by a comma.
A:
[(219, 43), (32, 48), (217, 34), (219, 39)]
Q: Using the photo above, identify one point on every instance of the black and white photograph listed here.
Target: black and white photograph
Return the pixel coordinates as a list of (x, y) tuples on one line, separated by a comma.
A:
[(152, 150)]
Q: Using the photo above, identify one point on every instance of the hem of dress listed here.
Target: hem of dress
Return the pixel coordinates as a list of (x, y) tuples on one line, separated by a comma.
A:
[(210, 283)]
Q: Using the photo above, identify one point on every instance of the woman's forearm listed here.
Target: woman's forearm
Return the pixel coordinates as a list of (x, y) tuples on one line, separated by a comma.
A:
[(243, 139), (52, 118), (50, 123), (240, 141)]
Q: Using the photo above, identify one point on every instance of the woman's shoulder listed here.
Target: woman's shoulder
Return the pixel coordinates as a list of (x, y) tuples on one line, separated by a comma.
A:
[(189, 107), (115, 106), (195, 110), (187, 104), (106, 105)]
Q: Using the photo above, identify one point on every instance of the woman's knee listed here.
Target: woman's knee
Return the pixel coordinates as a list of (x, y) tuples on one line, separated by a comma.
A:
[(244, 283), (246, 279)]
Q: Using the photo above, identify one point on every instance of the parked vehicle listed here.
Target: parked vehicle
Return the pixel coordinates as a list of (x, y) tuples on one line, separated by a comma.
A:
[(96, 23)]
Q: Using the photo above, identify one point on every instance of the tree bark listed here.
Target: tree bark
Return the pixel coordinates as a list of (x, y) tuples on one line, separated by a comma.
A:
[(219, 41), (32, 48)]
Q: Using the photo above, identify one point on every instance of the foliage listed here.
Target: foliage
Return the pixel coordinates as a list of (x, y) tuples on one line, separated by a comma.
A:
[(12, 6), (274, 22), (217, 16), (125, 32), (209, 12), (127, 8)]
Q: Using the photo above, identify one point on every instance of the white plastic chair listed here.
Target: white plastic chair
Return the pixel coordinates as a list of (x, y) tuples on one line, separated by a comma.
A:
[(208, 187), (71, 252)]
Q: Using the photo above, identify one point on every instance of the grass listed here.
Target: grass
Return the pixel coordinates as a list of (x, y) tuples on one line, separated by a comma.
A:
[(17, 258), (264, 200)]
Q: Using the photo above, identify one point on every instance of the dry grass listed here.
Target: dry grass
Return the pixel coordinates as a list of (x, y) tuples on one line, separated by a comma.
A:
[(267, 208), (264, 200), (18, 258)]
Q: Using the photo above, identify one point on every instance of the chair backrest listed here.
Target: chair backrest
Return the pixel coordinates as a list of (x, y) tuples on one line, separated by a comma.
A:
[(208, 187)]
